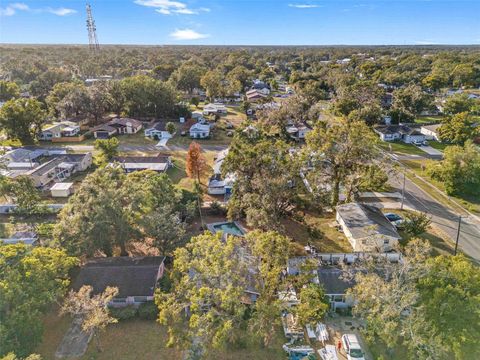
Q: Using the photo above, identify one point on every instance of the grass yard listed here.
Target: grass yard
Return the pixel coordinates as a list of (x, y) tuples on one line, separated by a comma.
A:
[(317, 230), (178, 175), (146, 340), (428, 119), (401, 148), (438, 145)]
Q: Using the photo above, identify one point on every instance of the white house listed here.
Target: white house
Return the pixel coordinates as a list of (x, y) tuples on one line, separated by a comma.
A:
[(215, 109), (404, 133), (366, 228), (58, 130), (431, 131), (158, 131), (217, 184), (158, 163), (199, 131)]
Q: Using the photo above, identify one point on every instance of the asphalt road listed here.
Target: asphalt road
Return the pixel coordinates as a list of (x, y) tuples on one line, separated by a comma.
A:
[(149, 147), (443, 217)]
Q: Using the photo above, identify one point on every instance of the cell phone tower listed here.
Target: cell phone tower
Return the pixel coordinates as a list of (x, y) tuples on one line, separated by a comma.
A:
[(92, 31)]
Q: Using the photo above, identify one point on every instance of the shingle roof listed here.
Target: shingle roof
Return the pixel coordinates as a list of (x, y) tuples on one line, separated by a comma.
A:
[(134, 276), (365, 220), (332, 281)]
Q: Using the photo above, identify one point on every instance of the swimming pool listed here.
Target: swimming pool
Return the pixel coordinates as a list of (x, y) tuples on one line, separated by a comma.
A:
[(231, 228)]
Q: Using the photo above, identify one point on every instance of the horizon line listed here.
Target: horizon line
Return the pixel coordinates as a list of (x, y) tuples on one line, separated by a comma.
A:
[(248, 45)]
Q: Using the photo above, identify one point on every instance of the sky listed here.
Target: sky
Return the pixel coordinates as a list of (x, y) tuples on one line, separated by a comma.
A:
[(243, 22)]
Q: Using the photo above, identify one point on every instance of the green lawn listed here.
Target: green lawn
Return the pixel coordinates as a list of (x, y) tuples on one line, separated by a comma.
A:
[(401, 148), (438, 145), (146, 340), (428, 119)]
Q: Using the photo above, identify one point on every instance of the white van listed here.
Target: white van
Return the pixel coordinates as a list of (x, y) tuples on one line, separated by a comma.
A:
[(352, 347)]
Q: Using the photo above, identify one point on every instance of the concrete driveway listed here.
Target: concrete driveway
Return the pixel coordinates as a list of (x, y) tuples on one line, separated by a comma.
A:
[(431, 151)]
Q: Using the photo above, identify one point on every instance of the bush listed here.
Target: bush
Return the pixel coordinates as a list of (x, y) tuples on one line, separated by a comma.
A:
[(165, 284), (416, 223), (148, 311), (123, 313)]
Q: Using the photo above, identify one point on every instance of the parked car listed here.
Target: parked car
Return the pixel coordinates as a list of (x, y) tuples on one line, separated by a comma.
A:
[(395, 219), (417, 143), (352, 347)]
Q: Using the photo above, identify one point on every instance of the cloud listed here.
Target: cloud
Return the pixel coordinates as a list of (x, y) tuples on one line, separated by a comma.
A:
[(61, 11), (187, 34), (304, 6), (11, 10), (169, 7)]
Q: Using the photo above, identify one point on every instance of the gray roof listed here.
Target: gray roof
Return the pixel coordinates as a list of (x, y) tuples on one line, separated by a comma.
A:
[(433, 127), (332, 281), (134, 276), (366, 220)]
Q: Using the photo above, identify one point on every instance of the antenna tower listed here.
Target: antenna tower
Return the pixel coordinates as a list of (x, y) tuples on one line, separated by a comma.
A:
[(92, 31)]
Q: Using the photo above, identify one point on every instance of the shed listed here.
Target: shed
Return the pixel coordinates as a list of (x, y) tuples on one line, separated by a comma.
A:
[(62, 189)]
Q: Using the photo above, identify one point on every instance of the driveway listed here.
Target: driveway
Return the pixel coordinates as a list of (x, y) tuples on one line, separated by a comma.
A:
[(431, 151), (74, 343)]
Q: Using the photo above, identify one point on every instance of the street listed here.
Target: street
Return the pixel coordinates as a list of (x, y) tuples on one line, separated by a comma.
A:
[(443, 217)]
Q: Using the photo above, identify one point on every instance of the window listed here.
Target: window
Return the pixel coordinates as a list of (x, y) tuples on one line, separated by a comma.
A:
[(140, 299), (386, 241)]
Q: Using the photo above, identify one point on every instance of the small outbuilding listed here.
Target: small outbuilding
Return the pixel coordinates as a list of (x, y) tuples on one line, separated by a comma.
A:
[(62, 189)]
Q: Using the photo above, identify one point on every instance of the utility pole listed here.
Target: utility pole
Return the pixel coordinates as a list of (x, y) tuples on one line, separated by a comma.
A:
[(458, 233), (403, 191)]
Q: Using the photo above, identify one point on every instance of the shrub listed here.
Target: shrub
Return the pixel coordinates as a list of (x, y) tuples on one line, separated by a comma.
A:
[(165, 284), (123, 313), (148, 311), (416, 223)]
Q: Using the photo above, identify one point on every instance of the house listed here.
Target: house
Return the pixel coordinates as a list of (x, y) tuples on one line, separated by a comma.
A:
[(261, 87), (255, 95), (218, 185), (59, 130), (431, 131), (125, 125), (215, 109), (61, 189), (80, 120), (135, 277), (158, 131), (335, 285), (117, 126), (59, 168), (366, 228), (406, 133), (104, 131), (199, 131), (298, 132), (159, 163)]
